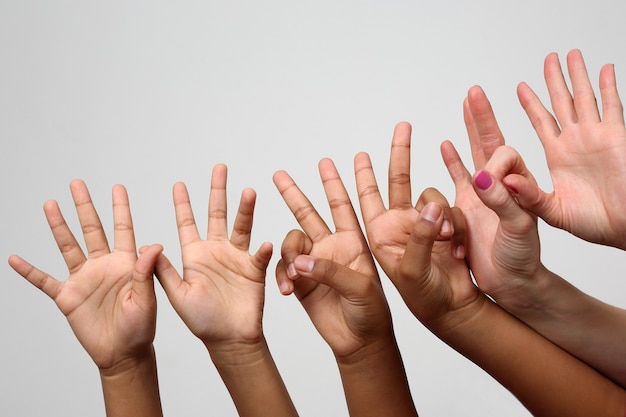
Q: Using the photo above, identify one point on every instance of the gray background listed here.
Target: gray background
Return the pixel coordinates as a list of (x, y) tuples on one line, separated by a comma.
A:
[(147, 93)]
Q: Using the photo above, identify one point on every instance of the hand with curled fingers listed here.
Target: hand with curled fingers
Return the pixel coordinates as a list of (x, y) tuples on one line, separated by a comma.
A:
[(388, 229), (577, 322), (438, 288), (585, 152), (335, 278), (221, 295), (503, 242), (108, 299)]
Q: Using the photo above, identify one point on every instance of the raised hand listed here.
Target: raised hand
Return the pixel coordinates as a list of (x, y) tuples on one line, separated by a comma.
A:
[(585, 152), (334, 277), (345, 313), (388, 229), (221, 295), (108, 300)]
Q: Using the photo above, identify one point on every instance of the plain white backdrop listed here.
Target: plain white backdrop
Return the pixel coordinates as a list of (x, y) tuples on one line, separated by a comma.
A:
[(147, 93)]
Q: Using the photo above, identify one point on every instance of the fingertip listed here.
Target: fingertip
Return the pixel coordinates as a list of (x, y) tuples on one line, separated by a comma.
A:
[(431, 212), (458, 251), (286, 287), (303, 264), (483, 180)]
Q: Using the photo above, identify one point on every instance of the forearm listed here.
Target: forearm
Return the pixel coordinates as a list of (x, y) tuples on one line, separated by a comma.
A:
[(545, 378), (131, 388), (582, 325), (375, 383), (252, 379)]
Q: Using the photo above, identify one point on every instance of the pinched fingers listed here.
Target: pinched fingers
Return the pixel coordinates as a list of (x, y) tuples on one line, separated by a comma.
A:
[(143, 284), (415, 265), (295, 243), (453, 226), (495, 195), (516, 187)]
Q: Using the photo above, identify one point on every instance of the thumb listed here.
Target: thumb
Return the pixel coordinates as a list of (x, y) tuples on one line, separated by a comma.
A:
[(340, 278), (415, 265), (498, 198), (143, 284)]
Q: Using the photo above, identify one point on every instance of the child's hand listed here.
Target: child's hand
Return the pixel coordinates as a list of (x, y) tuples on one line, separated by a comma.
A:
[(332, 273), (221, 294), (334, 277), (503, 253), (388, 230), (586, 154), (109, 298)]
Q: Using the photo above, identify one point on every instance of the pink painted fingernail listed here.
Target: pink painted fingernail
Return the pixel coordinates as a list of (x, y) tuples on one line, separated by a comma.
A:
[(483, 180)]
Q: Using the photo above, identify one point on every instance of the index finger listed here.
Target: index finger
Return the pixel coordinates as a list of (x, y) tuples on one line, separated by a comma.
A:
[(482, 127), (301, 207)]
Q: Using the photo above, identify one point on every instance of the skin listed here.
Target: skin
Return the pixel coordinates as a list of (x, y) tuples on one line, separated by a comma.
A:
[(585, 152), (504, 252), (335, 279), (438, 289), (220, 297), (108, 300)]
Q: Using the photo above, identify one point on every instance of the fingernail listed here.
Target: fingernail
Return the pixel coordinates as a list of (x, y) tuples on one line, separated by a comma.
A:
[(284, 288), (304, 263), (446, 227), (431, 212), (483, 180), (291, 271), (459, 252)]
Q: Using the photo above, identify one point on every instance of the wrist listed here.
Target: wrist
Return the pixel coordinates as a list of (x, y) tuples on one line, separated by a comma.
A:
[(237, 353), (369, 353), (130, 365)]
